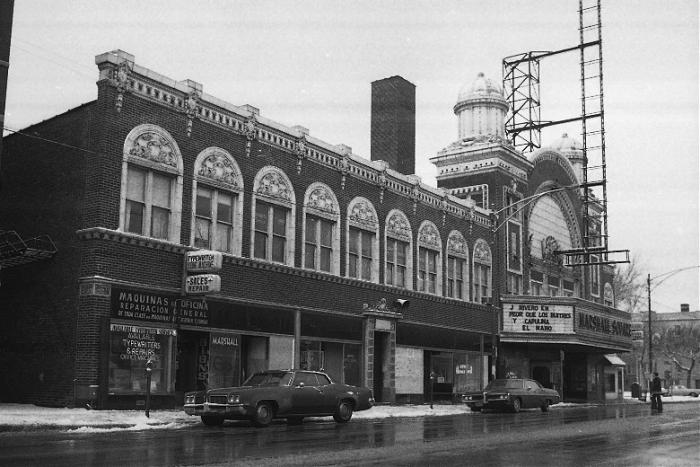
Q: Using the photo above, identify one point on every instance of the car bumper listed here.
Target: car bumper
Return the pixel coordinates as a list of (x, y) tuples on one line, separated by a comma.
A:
[(225, 410)]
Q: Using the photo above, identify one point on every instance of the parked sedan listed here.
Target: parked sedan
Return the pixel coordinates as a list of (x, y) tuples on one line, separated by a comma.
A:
[(513, 394), (290, 394), (680, 390)]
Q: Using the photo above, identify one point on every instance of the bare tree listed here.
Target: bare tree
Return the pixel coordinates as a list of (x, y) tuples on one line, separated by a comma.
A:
[(681, 345), (629, 285)]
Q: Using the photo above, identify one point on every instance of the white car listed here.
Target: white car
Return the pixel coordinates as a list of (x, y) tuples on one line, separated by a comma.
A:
[(680, 390)]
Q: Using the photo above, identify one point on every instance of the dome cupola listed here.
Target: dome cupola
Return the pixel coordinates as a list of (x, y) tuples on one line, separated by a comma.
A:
[(571, 149), (481, 109)]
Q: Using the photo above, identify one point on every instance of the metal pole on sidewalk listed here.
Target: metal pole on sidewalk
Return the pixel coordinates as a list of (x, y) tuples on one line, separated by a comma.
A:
[(149, 369)]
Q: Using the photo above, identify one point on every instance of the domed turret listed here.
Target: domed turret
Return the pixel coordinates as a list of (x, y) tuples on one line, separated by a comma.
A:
[(481, 109), (572, 150)]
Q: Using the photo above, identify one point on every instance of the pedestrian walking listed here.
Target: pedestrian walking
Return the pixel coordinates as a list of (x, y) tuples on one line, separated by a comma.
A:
[(655, 391)]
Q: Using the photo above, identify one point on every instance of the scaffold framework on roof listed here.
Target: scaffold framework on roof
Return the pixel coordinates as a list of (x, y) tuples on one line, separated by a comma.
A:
[(521, 79), (15, 251)]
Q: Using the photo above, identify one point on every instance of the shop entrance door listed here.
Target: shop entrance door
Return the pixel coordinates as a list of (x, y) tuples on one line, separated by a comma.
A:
[(575, 379), (542, 375), (380, 345), (192, 362)]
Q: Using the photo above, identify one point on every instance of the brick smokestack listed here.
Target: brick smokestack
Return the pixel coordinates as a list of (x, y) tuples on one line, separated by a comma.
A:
[(393, 137)]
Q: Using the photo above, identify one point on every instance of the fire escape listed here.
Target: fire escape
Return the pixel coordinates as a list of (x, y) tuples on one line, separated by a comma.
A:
[(521, 79)]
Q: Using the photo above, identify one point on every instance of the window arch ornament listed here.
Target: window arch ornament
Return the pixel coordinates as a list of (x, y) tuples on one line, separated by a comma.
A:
[(482, 252), (321, 200), (219, 207), (397, 226), (398, 248), (608, 295), (273, 229), (457, 244), (273, 184), (429, 236), (151, 184), (321, 229), (217, 167), (153, 146), (361, 213)]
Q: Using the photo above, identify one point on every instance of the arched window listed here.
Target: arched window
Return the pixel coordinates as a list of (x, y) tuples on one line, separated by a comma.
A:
[(217, 197), (321, 245), (457, 266), (398, 242), (273, 213), (151, 191), (362, 240), (482, 271), (429, 259)]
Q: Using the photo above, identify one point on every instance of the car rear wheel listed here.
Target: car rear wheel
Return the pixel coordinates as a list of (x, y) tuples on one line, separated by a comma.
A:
[(545, 406), (516, 405), (212, 420), (263, 415), (343, 413), (693, 394)]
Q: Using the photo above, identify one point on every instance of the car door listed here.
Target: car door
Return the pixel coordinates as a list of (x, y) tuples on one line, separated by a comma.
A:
[(533, 394), (306, 396)]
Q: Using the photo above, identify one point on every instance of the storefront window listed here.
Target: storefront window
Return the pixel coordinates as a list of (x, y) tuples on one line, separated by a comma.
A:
[(130, 348)]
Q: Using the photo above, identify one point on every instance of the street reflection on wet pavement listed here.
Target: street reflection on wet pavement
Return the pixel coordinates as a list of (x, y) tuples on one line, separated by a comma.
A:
[(591, 435)]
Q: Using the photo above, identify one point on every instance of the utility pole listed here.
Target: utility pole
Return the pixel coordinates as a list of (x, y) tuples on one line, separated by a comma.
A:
[(649, 323)]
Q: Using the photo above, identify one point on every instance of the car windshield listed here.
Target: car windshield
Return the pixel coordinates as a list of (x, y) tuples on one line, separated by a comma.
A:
[(277, 378), (505, 384)]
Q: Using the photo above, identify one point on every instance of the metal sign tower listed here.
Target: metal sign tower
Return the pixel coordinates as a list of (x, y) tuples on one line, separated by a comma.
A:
[(521, 79)]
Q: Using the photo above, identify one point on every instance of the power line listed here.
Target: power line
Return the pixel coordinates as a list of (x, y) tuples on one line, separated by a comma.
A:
[(47, 140)]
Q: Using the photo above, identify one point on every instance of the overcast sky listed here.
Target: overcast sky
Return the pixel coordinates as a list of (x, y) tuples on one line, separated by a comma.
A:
[(311, 63)]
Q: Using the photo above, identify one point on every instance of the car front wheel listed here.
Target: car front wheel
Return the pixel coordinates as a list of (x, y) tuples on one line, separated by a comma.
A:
[(212, 420), (545, 406), (343, 413), (263, 415), (693, 394), (516, 405)]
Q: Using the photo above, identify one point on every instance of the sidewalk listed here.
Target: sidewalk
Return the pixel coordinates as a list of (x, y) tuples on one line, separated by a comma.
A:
[(26, 417)]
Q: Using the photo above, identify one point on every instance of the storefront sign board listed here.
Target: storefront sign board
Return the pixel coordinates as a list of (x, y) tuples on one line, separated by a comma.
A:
[(202, 284), (538, 318), (204, 261)]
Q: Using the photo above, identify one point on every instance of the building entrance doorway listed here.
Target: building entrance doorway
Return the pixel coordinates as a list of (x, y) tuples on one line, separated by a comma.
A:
[(542, 375), (379, 364), (575, 379)]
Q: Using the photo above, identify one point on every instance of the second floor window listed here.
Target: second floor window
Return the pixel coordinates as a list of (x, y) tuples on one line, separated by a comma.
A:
[(455, 277), (360, 254), (482, 282), (270, 232), (396, 262), (427, 270), (214, 214), (148, 202), (319, 244)]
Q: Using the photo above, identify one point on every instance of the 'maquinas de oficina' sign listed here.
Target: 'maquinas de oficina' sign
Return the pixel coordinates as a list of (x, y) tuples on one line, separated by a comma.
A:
[(538, 318)]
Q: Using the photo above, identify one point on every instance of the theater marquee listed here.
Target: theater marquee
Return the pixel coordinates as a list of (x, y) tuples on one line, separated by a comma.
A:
[(538, 318)]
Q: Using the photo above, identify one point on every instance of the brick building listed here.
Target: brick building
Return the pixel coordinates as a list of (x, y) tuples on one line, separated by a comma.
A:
[(329, 260)]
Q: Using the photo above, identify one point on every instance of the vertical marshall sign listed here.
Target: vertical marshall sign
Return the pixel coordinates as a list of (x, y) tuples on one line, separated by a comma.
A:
[(203, 261)]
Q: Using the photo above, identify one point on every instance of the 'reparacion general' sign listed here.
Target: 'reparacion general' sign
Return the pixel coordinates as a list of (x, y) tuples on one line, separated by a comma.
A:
[(538, 318)]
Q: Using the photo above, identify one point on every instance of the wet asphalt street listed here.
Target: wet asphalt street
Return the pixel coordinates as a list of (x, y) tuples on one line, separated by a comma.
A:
[(612, 435)]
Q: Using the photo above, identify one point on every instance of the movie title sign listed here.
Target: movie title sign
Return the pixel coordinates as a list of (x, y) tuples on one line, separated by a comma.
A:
[(202, 284), (538, 318), (204, 261)]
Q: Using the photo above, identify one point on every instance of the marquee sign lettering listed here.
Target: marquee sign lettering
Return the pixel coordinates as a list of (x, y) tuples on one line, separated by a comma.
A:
[(538, 318)]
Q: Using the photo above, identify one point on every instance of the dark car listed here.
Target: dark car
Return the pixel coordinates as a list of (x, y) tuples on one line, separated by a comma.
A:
[(513, 394), (290, 394)]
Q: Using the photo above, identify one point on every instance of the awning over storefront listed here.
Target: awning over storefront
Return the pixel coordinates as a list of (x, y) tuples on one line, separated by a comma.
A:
[(614, 360)]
